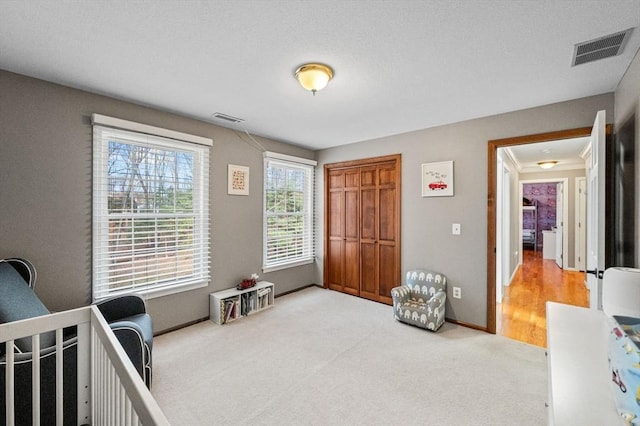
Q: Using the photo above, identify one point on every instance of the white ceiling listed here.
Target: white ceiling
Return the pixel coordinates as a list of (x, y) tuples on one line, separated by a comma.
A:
[(400, 65), (567, 152)]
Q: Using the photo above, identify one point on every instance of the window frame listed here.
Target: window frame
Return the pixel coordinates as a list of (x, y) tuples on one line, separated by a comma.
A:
[(157, 138), (308, 166)]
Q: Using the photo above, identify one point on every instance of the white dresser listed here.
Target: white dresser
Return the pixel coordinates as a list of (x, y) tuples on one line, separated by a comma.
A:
[(579, 377)]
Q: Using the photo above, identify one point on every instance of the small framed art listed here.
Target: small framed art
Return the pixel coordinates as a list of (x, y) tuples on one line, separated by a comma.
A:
[(437, 179), (238, 180)]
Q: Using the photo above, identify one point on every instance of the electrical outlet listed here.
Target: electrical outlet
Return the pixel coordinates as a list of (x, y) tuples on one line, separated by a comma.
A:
[(455, 229), (457, 293)]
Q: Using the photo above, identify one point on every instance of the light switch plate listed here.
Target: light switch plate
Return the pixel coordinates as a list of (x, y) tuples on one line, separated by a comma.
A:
[(455, 229)]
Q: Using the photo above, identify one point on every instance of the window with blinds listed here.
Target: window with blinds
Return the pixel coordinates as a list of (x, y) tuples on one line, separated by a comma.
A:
[(288, 211), (150, 210)]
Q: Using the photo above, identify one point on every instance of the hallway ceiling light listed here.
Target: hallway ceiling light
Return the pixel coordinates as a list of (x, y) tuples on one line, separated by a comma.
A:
[(314, 76), (547, 164)]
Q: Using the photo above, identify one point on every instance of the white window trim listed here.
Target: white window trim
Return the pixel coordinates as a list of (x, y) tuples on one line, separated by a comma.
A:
[(118, 123), (268, 155), (100, 228)]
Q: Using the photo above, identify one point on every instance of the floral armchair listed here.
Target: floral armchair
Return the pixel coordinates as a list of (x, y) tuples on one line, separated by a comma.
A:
[(421, 300)]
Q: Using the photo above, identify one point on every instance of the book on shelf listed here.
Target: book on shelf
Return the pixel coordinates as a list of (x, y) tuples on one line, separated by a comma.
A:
[(244, 304), (264, 291), (229, 308)]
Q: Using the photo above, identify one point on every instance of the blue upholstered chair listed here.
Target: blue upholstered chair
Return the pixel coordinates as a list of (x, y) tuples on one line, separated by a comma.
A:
[(421, 300), (127, 316)]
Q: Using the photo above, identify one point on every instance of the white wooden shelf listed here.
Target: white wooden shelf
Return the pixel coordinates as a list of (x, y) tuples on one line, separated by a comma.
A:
[(579, 376), (228, 305)]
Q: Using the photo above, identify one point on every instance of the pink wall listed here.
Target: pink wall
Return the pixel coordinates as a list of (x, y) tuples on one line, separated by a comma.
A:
[(545, 196)]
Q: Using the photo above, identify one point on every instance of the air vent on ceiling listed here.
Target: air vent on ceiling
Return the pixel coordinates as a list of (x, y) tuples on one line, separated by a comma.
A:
[(225, 117), (600, 48)]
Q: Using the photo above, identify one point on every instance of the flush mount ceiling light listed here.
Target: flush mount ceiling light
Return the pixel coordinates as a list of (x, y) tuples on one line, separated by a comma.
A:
[(314, 77), (547, 164)]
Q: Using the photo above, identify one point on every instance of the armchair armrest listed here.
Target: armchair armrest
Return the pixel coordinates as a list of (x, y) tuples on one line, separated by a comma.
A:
[(400, 294), (119, 307), (435, 305), (438, 299), (131, 337)]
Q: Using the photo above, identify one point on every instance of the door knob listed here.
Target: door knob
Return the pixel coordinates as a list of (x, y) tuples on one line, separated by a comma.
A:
[(598, 274)]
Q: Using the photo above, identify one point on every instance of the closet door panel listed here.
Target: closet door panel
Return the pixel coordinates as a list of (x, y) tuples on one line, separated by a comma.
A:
[(387, 276), (352, 240), (351, 215), (335, 220), (336, 179), (352, 178), (368, 253), (352, 268), (335, 232), (368, 177), (387, 174), (334, 258), (387, 212), (368, 216)]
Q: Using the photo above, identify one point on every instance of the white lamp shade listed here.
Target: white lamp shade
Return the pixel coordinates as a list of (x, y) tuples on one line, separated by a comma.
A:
[(547, 164), (314, 77)]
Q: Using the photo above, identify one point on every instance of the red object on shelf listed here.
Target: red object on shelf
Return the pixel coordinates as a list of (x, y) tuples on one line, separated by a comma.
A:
[(244, 284)]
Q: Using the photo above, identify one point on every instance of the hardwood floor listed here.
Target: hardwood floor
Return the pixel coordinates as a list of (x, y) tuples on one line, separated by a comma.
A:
[(522, 315)]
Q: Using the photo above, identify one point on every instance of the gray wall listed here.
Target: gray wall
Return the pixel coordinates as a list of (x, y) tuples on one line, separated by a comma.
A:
[(426, 222), (45, 193), (627, 104)]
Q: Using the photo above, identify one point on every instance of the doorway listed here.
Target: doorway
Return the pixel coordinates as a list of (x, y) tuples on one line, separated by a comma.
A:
[(492, 199)]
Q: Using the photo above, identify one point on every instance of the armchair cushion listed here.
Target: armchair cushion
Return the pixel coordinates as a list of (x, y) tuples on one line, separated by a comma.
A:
[(421, 301), (17, 302)]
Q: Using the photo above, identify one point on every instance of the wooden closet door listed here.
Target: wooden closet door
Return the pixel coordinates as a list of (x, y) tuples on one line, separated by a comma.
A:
[(378, 246), (388, 232), (352, 232), (369, 233), (342, 254), (362, 227)]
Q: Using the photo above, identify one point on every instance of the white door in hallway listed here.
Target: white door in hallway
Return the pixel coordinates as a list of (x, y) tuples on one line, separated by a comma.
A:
[(596, 211), (559, 223), (581, 223)]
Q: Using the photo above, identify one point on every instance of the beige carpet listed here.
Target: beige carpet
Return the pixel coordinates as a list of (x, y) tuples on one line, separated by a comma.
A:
[(320, 357)]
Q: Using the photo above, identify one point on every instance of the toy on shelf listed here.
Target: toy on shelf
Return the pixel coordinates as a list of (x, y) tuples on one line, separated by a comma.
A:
[(248, 282)]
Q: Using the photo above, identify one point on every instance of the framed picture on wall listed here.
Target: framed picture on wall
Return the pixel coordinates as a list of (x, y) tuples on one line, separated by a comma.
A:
[(238, 180), (437, 179)]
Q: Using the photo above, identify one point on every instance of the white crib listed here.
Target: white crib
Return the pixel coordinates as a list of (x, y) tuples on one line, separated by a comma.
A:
[(109, 389)]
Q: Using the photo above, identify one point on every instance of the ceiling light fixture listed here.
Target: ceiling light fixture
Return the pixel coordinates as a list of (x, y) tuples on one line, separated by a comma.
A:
[(547, 164), (314, 76)]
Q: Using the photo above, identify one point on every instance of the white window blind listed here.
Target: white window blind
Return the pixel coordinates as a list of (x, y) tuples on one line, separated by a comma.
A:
[(288, 211), (150, 210)]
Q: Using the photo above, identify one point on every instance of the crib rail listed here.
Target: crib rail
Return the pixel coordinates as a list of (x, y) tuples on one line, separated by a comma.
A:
[(109, 390)]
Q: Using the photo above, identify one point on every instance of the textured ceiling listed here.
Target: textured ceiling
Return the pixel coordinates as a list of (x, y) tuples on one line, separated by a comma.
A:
[(399, 65)]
